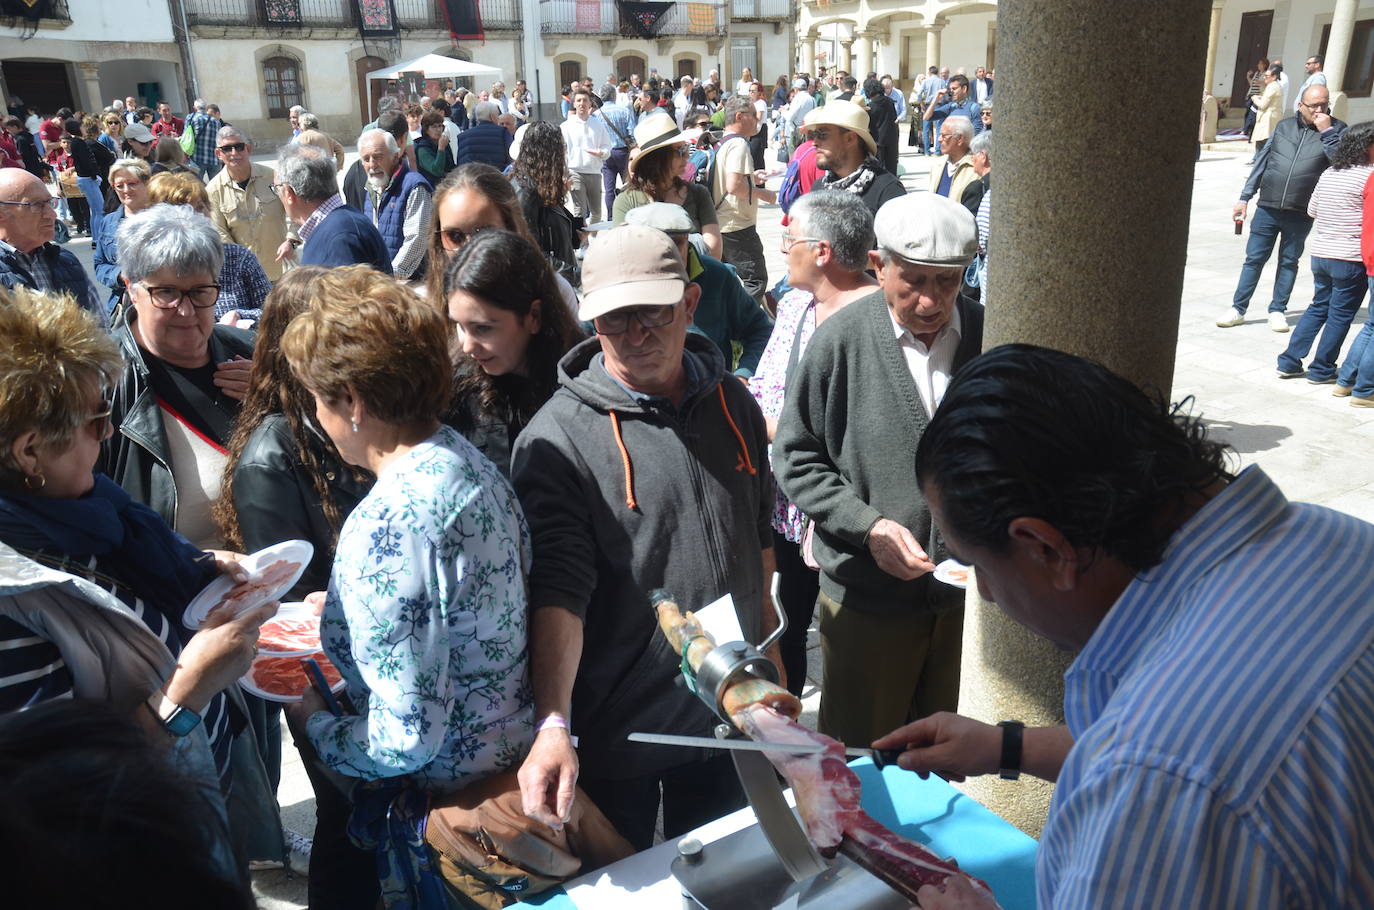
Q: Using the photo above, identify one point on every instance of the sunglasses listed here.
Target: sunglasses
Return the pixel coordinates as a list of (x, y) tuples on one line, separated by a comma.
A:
[(234, 147), (617, 322), (453, 238)]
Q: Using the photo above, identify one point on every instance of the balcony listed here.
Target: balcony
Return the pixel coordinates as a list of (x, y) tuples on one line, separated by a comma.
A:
[(340, 14), (602, 17), (761, 10)]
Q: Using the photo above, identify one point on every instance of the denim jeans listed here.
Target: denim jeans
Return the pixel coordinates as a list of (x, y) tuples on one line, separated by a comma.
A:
[(1340, 287), (90, 188), (1269, 226), (1358, 370)]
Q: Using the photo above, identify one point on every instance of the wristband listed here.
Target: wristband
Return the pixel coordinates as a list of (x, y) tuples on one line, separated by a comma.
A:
[(555, 722), (1009, 768)]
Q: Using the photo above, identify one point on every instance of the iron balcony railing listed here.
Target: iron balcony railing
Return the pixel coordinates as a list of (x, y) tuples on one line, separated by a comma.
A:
[(605, 17), (410, 14)]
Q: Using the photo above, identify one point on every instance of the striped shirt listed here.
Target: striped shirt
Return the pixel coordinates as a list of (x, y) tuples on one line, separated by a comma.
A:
[(1223, 716), (1338, 205), (32, 670)]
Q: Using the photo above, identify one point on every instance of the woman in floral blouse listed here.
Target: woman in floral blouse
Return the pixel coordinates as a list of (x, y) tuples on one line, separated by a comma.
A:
[(425, 616)]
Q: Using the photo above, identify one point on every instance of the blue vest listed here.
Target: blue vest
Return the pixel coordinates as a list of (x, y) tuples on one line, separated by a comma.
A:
[(391, 217)]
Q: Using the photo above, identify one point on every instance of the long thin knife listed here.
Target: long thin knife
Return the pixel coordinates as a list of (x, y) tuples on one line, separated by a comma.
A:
[(881, 757)]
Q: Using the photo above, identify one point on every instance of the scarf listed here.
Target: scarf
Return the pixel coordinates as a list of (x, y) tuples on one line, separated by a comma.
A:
[(859, 181), (129, 541)]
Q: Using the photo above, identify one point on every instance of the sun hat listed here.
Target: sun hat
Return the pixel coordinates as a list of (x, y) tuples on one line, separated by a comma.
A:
[(630, 266), (655, 131), (846, 115), (927, 229)]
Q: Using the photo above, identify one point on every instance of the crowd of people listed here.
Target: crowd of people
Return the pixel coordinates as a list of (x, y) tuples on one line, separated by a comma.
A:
[(509, 376)]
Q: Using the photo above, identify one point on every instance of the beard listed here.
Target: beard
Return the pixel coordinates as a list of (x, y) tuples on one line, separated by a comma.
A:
[(378, 182)]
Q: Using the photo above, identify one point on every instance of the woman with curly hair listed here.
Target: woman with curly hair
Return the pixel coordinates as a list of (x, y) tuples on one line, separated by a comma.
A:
[(1339, 278), (510, 331), (541, 179), (656, 175)]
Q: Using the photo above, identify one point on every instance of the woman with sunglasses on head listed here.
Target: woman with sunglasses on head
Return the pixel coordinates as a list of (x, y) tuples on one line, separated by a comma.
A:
[(657, 172), (510, 331), (128, 180)]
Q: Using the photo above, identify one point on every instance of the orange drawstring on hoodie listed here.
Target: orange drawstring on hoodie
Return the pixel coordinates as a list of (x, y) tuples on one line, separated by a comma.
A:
[(745, 463), (625, 460)]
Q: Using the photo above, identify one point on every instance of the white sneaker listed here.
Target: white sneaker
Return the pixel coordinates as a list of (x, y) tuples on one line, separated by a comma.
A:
[(1278, 322), (1231, 317)]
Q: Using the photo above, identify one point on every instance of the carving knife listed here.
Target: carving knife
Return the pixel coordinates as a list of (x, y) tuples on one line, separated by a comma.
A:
[(881, 757)]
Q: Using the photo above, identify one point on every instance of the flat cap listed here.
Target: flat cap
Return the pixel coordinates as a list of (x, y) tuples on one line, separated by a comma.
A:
[(927, 229)]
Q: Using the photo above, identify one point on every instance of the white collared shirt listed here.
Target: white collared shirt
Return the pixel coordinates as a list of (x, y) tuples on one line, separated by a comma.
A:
[(931, 367)]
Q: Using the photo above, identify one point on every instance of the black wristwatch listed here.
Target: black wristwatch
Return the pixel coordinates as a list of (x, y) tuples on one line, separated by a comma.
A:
[(1009, 768), (179, 721)]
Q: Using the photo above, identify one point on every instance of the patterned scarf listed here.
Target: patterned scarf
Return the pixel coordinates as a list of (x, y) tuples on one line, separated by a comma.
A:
[(859, 181)]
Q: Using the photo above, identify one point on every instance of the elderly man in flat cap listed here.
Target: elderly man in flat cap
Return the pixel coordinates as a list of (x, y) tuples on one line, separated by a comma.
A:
[(844, 452)]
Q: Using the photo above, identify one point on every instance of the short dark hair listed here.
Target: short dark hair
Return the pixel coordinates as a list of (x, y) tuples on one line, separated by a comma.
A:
[(959, 79), (1025, 431), (1353, 147), (1318, 59), (873, 88), (395, 123), (850, 84)]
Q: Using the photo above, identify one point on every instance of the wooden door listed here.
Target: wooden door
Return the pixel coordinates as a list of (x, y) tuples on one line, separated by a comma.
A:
[(1252, 45), (368, 107), (630, 65), (569, 71)]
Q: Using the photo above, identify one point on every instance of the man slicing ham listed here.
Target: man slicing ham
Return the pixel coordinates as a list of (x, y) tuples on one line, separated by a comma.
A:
[(1220, 711)]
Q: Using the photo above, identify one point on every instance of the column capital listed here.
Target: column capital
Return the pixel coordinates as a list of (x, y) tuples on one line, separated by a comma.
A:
[(89, 70)]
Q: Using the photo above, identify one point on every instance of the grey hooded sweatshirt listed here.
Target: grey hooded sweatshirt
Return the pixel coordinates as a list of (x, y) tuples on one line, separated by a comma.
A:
[(625, 495)]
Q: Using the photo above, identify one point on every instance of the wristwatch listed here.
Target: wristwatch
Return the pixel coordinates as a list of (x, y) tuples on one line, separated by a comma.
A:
[(1009, 768), (179, 721)]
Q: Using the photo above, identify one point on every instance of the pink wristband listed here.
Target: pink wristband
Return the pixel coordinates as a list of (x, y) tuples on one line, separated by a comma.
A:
[(555, 722)]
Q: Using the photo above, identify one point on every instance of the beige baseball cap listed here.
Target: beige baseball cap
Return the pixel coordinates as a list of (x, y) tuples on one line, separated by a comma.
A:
[(630, 266)]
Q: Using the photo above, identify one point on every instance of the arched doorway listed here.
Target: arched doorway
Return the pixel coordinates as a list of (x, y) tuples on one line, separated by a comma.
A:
[(367, 104)]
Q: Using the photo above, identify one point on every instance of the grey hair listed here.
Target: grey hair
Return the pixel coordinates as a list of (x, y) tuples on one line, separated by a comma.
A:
[(134, 167), (297, 110), (309, 121), (736, 105), (387, 103), (168, 237), (961, 125), (982, 143), (198, 104), (309, 171), (391, 145), (840, 219), (483, 111), (229, 132)]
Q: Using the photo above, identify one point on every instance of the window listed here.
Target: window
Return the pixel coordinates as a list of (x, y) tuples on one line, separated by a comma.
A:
[(281, 82), (744, 52), (1359, 66)]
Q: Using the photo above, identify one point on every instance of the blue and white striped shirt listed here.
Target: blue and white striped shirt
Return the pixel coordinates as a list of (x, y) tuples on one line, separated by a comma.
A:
[(1223, 716)]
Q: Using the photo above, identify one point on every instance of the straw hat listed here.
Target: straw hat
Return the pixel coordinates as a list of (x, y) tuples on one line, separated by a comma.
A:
[(655, 131), (846, 115)]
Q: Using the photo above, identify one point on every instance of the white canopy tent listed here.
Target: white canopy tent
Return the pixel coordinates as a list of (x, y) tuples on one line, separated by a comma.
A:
[(434, 66)]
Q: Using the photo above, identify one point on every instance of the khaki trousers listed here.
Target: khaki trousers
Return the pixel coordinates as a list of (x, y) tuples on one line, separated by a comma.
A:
[(880, 671)]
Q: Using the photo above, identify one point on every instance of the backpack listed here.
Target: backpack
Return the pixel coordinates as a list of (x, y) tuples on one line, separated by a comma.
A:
[(791, 188)]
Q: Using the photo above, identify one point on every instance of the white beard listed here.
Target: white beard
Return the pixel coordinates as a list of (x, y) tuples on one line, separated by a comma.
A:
[(377, 183)]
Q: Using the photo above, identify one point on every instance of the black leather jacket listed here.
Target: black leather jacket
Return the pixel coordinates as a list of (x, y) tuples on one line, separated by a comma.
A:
[(276, 500), (138, 456), (1287, 168)]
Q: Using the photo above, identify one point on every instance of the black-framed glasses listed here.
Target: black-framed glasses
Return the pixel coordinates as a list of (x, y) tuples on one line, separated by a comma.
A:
[(617, 322), (1315, 107), (51, 203), (201, 296), (234, 147), (276, 188)]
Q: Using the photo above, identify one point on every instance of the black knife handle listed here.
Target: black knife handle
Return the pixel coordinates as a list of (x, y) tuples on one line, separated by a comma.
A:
[(884, 757)]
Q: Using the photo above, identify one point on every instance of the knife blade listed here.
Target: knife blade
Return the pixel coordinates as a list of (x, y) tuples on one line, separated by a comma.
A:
[(881, 757)]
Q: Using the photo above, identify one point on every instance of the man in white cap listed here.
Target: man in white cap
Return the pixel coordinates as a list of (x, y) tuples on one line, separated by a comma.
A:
[(646, 470), (847, 152), (856, 407)]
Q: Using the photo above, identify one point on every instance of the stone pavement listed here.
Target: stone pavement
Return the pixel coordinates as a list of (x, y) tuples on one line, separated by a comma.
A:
[(1307, 440)]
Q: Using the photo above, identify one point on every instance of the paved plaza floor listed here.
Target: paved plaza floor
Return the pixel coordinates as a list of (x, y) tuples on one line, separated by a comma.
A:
[(1308, 441)]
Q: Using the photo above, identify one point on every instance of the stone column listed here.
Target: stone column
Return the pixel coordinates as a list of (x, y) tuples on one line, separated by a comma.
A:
[(1081, 262), (89, 75), (808, 63), (847, 56), (1337, 53), (863, 55), (1213, 35), (933, 44)]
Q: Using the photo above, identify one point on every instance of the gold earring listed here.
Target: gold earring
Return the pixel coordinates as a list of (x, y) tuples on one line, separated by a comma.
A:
[(42, 482)]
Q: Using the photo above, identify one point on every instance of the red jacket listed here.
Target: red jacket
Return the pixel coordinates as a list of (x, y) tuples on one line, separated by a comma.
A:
[(173, 127), (9, 152)]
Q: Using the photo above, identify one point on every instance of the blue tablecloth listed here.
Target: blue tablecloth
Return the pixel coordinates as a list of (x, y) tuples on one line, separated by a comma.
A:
[(930, 812)]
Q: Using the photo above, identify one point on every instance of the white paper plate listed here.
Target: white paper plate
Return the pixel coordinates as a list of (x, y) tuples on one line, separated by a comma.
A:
[(246, 682), (952, 572), (290, 612), (291, 551)]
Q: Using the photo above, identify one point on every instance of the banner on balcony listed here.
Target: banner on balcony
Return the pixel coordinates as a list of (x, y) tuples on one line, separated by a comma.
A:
[(281, 12), (640, 20), (377, 18), (26, 13), (588, 16), (464, 19), (701, 19)]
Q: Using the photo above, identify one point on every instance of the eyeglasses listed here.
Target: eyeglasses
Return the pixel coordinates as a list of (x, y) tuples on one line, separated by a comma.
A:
[(1315, 107), (200, 297), (617, 322), (234, 147), (788, 241), (100, 422), (50, 203), (276, 188), (453, 238)]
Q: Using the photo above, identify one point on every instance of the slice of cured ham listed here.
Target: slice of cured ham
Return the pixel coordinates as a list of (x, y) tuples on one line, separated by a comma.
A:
[(287, 677), (289, 635), (258, 588)]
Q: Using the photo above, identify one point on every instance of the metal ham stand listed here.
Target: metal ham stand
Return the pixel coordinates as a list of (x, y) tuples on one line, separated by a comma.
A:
[(771, 864)]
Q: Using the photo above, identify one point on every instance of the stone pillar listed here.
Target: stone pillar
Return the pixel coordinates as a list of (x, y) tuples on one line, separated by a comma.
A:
[(863, 55), (933, 44), (847, 57), (89, 76), (1337, 53), (1213, 35), (808, 63), (1081, 262)]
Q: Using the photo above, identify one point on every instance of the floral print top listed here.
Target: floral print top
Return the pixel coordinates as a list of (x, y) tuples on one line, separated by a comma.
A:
[(426, 619), (769, 386)]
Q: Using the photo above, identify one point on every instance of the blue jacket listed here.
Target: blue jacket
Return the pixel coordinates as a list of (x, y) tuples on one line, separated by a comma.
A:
[(391, 214), (68, 275), (346, 237), (726, 312), (486, 142), (106, 255)]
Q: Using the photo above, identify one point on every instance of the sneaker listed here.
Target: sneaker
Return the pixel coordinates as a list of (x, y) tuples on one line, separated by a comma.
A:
[(1289, 374), (1357, 402), (1341, 391), (1278, 322), (1329, 381), (1231, 317)]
